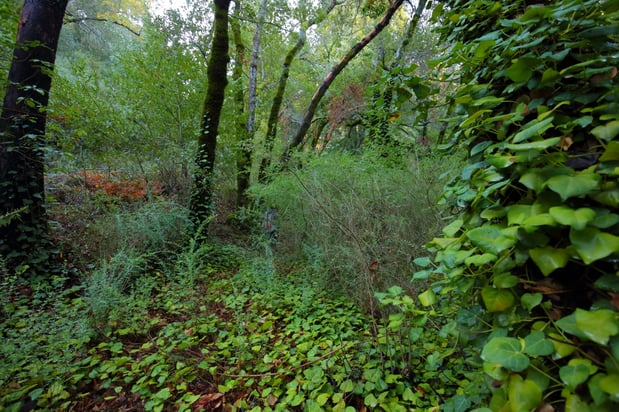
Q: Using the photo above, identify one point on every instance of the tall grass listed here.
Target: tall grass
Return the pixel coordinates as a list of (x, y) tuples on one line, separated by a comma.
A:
[(359, 221)]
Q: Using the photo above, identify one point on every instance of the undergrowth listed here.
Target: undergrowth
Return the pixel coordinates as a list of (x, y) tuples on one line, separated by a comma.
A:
[(234, 336), (360, 220)]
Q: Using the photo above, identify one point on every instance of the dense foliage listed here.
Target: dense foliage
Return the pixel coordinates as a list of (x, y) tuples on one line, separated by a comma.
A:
[(324, 291), (536, 247)]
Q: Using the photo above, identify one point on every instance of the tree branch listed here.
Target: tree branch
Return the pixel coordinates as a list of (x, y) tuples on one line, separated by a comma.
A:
[(100, 19)]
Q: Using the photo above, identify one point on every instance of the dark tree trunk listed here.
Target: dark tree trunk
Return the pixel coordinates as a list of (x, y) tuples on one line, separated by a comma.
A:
[(25, 240), (335, 71), (202, 196)]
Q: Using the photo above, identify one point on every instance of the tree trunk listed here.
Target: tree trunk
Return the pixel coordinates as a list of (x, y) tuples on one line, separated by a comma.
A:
[(335, 71), (246, 146), (202, 196), (243, 155), (25, 240)]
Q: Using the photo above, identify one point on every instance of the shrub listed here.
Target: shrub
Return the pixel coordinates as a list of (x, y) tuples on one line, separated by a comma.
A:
[(359, 219)]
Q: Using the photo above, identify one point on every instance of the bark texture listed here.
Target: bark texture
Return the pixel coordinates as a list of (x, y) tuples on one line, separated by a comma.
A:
[(25, 240), (202, 196)]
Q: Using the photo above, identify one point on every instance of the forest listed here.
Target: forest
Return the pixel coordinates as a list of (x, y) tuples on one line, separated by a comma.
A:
[(309, 205)]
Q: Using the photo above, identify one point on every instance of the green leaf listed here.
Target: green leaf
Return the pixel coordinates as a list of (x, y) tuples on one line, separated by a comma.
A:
[(607, 132), (611, 153), (573, 403), (493, 238), (608, 282), (598, 325), (577, 371), (530, 300), (562, 348), (480, 260), (591, 244), (505, 280), (427, 298), (576, 218), (610, 385), (548, 259), (523, 395), (536, 344), (322, 398), (533, 128), (572, 186), (537, 145), (451, 229), (370, 400), (536, 179), (497, 300), (522, 69), (506, 352)]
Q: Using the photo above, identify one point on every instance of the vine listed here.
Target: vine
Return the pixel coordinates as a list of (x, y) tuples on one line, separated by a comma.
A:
[(534, 251)]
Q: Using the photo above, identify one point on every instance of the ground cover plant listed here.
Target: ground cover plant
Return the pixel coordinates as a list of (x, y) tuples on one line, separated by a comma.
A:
[(229, 338)]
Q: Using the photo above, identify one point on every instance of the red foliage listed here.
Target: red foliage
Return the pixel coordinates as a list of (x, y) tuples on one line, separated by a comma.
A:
[(115, 185)]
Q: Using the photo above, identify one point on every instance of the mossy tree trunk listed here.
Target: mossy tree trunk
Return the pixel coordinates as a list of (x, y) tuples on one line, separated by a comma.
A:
[(202, 195), (24, 239)]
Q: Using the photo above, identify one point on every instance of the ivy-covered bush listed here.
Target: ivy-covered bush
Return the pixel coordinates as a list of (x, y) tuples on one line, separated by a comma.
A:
[(535, 250)]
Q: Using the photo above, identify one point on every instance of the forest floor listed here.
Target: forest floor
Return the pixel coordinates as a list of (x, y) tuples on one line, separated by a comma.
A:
[(224, 326)]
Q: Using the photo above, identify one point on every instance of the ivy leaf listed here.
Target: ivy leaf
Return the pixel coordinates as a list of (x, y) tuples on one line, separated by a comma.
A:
[(493, 238), (536, 344), (427, 298), (592, 244), (506, 352), (505, 280), (451, 229), (577, 371), (523, 395), (571, 186), (480, 260), (522, 69), (608, 282), (535, 179), (576, 218), (497, 300), (533, 128), (611, 153), (548, 259), (607, 132), (598, 325), (610, 385), (530, 300), (562, 349)]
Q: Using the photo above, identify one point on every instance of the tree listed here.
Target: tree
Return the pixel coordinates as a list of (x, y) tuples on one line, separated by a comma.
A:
[(283, 81), (326, 83), (202, 196), (245, 145), (25, 240)]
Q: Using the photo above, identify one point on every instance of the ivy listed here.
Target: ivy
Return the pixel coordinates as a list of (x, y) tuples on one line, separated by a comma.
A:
[(536, 240)]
